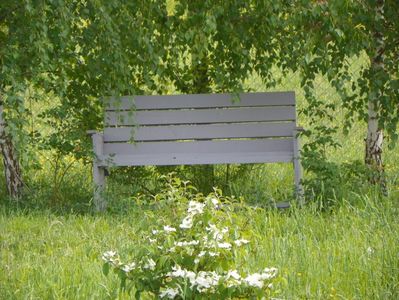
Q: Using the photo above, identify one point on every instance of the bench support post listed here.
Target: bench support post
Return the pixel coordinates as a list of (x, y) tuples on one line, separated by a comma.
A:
[(298, 168), (98, 173)]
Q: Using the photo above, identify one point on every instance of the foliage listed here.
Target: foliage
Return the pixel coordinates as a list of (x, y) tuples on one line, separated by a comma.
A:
[(324, 42), (333, 181), (61, 48), (55, 58), (195, 257)]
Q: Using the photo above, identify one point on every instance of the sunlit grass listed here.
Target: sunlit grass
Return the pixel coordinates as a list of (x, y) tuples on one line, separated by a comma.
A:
[(349, 254)]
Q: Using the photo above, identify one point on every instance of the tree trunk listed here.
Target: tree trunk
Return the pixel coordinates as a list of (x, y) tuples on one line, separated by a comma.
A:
[(375, 137), (201, 84), (12, 169)]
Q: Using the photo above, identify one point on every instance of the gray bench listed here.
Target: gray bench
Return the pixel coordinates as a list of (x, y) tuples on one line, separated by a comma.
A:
[(196, 129)]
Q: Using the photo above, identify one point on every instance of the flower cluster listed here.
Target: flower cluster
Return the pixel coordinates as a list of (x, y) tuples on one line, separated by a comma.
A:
[(194, 208), (112, 258), (195, 258), (204, 281)]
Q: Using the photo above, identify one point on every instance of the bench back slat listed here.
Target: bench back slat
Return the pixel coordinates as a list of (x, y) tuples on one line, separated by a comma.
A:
[(195, 132), (200, 116), (199, 152), (200, 101)]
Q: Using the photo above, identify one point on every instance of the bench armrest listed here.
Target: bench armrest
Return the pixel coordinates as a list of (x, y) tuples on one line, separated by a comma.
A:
[(299, 129), (91, 132)]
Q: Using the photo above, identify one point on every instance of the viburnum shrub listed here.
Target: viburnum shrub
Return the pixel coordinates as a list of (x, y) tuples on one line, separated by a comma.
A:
[(197, 254)]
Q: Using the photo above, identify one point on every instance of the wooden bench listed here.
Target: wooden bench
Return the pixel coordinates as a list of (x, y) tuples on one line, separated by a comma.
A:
[(196, 129)]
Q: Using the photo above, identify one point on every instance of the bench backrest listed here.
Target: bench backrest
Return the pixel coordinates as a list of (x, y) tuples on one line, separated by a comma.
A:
[(200, 129)]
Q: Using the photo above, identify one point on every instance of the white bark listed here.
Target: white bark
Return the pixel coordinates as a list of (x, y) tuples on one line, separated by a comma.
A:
[(375, 137), (12, 169)]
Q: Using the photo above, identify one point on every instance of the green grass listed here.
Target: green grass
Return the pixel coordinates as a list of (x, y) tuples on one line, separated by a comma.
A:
[(352, 253)]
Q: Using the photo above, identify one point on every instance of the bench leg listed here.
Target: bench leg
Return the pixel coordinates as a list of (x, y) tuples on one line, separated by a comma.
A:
[(98, 172), (99, 187), (298, 173), (298, 185)]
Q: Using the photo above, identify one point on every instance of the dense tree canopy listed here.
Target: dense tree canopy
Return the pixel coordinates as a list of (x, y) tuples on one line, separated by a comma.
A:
[(77, 51), (331, 32)]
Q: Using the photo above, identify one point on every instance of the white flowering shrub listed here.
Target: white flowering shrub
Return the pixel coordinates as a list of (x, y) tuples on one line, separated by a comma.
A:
[(195, 255)]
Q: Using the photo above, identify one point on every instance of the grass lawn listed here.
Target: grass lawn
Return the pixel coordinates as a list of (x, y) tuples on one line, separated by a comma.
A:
[(352, 253)]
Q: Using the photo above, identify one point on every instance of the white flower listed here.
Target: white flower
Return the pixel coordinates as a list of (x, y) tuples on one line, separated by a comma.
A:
[(169, 229), (370, 250), (187, 223), (211, 228), (233, 274), (177, 272), (254, 280), (210, 253), (224, 246), (205, 280), (169, 293), (129, 267), (195, 208), (150, 265), (241, 242), (184, 244), (154, 231), (257, 279), (216, 233), (269, 273), (190, 275), (109, 256), (233, 278), (215, 203)]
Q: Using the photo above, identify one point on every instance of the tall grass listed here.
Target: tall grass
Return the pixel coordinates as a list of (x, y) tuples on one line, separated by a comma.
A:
[(352, 253)]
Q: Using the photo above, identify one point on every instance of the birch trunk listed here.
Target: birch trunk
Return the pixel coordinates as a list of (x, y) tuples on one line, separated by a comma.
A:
[(12, 168), (375, 137)]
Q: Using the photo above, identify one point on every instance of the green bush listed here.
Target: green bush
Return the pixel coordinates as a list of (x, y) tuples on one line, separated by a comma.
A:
[(192, 253)]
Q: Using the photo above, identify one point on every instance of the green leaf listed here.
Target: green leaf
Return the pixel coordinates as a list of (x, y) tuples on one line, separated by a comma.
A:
[(106, 268)]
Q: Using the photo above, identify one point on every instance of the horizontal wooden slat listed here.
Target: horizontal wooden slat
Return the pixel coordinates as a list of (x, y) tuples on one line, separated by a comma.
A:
[(199, 101), (194, 159), (201, 116), (220, 148), (188, 132)]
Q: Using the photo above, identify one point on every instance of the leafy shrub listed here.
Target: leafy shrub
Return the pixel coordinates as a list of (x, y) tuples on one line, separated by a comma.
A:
[(195, 253), (330, 181)]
